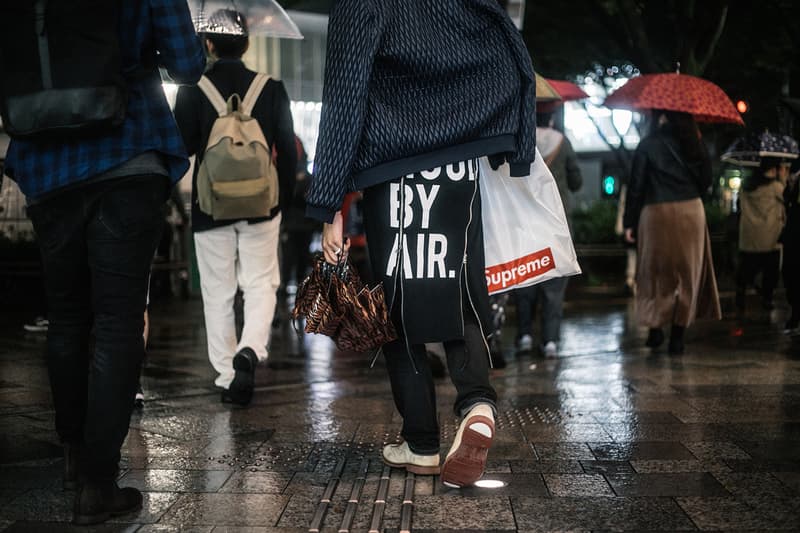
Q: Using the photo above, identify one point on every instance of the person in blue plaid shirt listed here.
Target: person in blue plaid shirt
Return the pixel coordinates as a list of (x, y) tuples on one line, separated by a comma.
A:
[(96, 205)]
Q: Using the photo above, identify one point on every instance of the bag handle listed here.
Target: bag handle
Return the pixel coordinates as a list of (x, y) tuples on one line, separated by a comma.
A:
[(253, 92), (213, 95), (234, 103)]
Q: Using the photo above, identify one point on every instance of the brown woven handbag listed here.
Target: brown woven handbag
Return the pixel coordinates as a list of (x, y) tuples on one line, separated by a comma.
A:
[(335, 302)]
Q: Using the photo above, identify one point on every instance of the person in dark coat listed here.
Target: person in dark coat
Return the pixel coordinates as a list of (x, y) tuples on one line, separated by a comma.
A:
[(414, 93), (762, 216), (560, 158), (790, 238), (237, 253), (664, 215)]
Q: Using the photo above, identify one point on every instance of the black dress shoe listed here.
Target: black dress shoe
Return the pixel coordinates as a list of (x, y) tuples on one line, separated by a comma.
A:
[(70, 466), (97, 501), (244, 379), (655, 338)]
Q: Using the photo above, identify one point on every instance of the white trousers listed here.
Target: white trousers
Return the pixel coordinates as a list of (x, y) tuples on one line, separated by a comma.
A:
[(242, 256)]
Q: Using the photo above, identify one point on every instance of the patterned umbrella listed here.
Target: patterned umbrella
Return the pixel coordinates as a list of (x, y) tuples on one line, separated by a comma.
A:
[(748, 151), (676, 92), (568, 90), (544, 91), (262, 17)]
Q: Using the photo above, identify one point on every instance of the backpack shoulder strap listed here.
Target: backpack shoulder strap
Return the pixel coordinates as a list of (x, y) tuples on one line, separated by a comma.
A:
[(213, 95), (250, 98)]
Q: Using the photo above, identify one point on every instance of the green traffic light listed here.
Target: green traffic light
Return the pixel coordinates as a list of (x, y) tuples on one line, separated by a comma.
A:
[(609, 185)]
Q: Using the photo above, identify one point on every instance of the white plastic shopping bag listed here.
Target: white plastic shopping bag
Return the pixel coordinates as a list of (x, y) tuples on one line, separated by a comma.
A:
[(525, 230)]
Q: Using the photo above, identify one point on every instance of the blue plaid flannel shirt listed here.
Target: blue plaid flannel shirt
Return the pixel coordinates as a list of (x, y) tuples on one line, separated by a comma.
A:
[(39, 168)]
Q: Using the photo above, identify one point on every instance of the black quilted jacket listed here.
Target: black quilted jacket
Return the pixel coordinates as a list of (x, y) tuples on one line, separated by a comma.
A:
[(416, 84)]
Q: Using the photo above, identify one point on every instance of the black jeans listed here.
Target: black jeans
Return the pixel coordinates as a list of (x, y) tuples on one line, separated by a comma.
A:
[(551, 293), (750, 264), (415, 393), (97, 243)]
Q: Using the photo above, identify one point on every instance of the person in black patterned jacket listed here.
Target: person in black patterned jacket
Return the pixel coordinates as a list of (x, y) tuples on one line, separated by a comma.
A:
[(415, 92)]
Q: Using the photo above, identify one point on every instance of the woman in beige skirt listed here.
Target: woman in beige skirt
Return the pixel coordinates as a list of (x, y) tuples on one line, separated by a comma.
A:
[(664, 214)]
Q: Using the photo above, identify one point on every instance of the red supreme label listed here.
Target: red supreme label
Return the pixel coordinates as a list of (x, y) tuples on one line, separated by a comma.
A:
[(499, 277)]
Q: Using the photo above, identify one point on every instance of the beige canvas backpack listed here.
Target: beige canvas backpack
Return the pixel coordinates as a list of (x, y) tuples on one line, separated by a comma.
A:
[(237, 178)]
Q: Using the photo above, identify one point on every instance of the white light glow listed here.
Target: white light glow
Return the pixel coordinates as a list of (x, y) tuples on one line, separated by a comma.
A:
[(621, 118), (490, 484)]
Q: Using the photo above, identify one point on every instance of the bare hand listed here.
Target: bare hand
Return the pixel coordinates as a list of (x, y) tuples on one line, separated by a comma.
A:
[(334, 246), (629, 236)]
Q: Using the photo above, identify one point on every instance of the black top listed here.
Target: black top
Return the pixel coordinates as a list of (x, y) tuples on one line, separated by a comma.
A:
[(791, 231), (413, 85), (660, 174), (195, 116)]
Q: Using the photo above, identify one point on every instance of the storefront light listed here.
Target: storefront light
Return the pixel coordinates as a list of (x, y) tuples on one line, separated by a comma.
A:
[(735, 183)]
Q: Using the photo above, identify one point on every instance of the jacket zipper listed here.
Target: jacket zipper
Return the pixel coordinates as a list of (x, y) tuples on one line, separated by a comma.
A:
[(398, 264), (463, 276)]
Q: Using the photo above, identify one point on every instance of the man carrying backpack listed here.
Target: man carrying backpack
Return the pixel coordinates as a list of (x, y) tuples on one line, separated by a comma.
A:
[(95, 149), (234, 121)]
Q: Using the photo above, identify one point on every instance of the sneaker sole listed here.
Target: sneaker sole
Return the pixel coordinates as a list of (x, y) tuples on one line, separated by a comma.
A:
[(466, 464), (415, 469)]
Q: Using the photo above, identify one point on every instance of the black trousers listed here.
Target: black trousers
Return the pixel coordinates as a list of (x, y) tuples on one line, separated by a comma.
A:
[(753, 263), (414, 392), (791, 267), (97, 243)]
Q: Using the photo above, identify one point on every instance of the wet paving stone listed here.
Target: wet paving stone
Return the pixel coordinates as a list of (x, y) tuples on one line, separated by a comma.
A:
[(607, 467), (31, 477), (59, 527), (563, 451), (226, 509), (631, 451), (716, 450), (513, 485), (153, 480), (154, 505), (723, 514), (257, 482), (168, 528), (790, 479), (16, 448), (605, 438), (566, 485), (488, 513), (588, 514), (658, 485), (546, 467)]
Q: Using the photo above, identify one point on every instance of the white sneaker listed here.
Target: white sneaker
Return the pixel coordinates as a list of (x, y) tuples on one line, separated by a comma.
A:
[(550, 349), (401, 456), (39, 325), (466, 459), (525, 343)]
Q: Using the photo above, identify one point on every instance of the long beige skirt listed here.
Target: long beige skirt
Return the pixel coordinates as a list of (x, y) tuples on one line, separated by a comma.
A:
[(675, 281)]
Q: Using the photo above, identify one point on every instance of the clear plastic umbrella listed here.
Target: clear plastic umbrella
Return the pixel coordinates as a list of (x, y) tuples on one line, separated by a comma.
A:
[(262, 17)]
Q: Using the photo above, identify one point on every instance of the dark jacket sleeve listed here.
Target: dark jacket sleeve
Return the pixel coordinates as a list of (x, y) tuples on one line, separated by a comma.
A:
[(520, 161), (285, 147), (574, 176), (188, 118), (179, 48), (354, 33), (634, 202)]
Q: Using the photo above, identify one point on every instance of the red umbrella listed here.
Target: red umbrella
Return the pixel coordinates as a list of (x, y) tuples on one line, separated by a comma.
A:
[(567, 90), (676, 92)]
